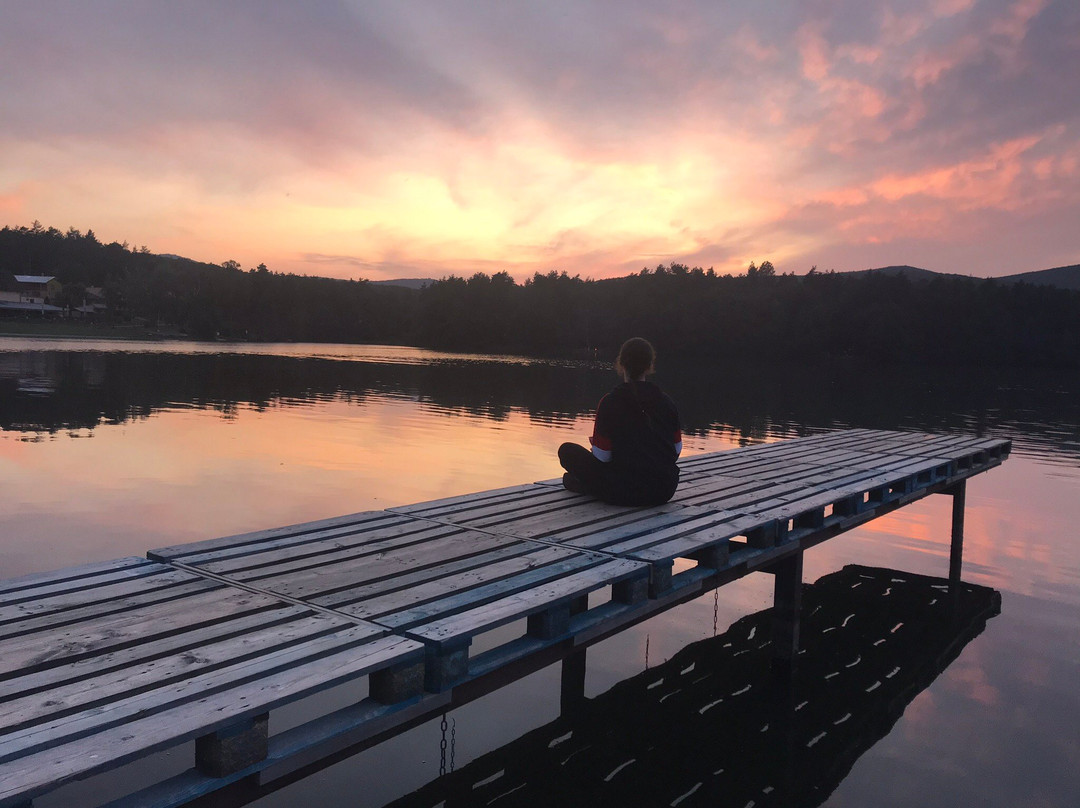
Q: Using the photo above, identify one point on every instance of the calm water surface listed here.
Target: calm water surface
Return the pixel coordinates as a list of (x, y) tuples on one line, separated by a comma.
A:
[(111, 448)]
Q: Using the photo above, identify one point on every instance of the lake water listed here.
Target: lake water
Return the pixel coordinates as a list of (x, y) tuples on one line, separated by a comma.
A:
[(111, 448)]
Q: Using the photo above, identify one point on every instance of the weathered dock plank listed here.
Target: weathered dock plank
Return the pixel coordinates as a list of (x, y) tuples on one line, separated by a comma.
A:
[(444, 626), (64, 580), (489, 504), (398, 607), (356, 546), (290, 535), (99, 631), (62, 606)]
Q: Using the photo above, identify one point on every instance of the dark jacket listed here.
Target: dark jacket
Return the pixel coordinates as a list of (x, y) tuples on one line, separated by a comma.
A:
[(639, 425)]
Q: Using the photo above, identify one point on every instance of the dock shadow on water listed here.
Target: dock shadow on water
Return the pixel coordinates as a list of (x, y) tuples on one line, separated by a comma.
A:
[(719, 725)]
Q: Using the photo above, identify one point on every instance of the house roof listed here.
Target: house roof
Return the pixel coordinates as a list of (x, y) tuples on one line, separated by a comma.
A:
[(34, 278), (8, 305)]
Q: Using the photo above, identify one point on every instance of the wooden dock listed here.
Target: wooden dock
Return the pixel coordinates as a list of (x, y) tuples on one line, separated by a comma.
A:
[(107, 663)]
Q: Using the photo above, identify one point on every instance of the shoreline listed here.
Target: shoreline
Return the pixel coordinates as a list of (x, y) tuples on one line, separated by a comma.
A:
[(83, 331)]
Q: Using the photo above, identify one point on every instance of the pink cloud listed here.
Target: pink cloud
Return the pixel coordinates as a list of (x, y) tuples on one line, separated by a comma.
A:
[(858, 98), (814, 52), (985, 181), (1014, 24), (747, 42), (899, 29), (860, 54), (1000, 36), (950, 8), (927, 68)]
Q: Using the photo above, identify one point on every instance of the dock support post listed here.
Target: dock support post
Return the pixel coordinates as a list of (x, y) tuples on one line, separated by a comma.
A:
[(715, 557), (956, 550), (787, 602), (660, 578), (636, 590), (572, 691), (233, 748), (444, 666), (397, 683), (549, 624)]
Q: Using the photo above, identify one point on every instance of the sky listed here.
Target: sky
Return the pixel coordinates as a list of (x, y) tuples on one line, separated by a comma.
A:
[(421, 139)]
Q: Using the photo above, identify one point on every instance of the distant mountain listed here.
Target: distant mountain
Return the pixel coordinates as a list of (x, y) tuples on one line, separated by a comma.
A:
[(909, 272), (1061, 277), (408, 283)]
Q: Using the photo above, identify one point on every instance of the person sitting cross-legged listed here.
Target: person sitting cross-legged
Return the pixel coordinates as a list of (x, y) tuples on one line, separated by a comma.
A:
[(636, 439)]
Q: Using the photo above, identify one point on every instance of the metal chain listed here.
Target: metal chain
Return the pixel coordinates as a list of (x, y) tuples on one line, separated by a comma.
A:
[(453, 741), (715, 609), (442, 747)]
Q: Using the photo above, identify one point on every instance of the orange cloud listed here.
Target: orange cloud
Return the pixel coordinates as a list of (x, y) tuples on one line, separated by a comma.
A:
[(843, 197), (982, 182), (14, 202), (10, 204)]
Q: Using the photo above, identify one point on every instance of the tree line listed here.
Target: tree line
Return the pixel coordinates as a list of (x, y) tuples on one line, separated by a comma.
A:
[(691, 312), (760, 316)]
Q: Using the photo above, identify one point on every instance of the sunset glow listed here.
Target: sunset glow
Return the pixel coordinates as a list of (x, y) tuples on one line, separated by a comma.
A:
[(422, 139)]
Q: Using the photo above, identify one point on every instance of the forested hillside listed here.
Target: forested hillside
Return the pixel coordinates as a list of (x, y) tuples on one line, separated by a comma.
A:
[(207, 300), (761, 315), (692, 312)]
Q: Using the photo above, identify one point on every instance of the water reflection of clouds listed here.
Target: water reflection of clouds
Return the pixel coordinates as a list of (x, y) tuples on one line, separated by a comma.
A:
[(1014, 523), (378, 354)]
